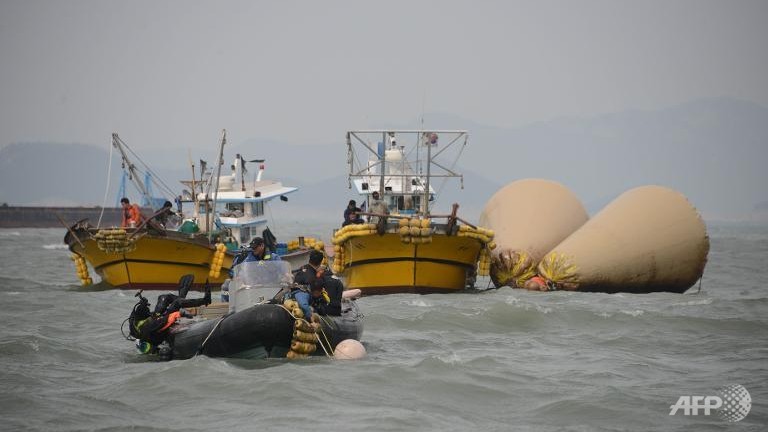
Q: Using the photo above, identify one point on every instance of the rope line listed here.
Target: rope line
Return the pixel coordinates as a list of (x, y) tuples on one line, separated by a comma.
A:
[(202, 345), (106, 190), (316, 335)]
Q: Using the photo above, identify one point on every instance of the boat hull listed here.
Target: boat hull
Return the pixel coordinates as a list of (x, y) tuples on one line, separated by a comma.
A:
[(383, 264), (157, 262), (260, 331)]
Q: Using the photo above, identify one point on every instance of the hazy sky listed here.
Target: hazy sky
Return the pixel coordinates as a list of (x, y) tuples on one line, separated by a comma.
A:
[(174, 74)]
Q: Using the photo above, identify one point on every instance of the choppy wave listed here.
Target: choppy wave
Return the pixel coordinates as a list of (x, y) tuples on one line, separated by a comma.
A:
[(496, 360)]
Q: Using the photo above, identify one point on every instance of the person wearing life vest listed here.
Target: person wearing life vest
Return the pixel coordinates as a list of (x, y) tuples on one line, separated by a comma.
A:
[(300, 292), (325, 290), (319, 299), (257, 251), (132, 216), (151, 328)]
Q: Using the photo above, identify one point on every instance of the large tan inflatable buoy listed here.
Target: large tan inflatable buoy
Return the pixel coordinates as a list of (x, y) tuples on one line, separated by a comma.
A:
[(529, 217), (649, 239)]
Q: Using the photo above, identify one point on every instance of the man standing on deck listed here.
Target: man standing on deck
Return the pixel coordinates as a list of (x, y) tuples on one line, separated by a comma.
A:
[(378, 207)]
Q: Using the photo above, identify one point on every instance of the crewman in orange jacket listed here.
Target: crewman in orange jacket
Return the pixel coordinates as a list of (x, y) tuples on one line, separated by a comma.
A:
[(132, 216)]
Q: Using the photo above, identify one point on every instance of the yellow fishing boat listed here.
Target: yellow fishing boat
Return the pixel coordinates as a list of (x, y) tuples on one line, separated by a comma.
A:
[(149, 260), (403, 247), (155, 255)]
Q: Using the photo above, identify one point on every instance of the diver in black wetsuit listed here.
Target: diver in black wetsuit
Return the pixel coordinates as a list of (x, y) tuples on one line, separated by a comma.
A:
[(325, 290), (150, 329)]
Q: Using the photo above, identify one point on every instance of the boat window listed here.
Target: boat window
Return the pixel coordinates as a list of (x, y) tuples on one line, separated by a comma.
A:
[(258, 208), (233, 210), (408, 204), (245, 235)]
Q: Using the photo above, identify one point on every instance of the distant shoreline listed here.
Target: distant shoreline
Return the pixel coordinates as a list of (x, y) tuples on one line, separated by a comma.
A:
[(45, 217)]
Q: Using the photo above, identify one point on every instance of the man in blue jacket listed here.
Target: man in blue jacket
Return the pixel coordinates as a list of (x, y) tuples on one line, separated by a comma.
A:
[(257, 251)]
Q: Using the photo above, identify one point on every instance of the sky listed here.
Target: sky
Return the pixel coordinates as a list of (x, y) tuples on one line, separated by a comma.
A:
[(172, 74)]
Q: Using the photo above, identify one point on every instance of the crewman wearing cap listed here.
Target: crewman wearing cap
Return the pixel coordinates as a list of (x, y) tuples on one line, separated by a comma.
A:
[(256, 251)]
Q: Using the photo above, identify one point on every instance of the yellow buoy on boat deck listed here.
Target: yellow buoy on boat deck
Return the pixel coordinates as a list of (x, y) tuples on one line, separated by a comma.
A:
[(529, 217), (649, 239)]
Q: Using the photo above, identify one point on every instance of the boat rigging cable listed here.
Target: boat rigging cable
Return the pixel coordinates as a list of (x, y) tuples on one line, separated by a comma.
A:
[(106, 190), (155, 178), (354, 161), (453, 165), (271, 217)]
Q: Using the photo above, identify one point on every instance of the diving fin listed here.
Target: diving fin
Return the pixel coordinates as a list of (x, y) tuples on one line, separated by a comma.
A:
[(207, 296), (185, 283)]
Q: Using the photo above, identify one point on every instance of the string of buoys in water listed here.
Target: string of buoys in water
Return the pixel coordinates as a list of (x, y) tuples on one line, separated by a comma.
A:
[(649, 239)]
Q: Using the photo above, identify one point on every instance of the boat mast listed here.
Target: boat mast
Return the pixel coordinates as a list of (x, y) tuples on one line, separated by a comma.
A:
[(120, 146), (241, 161), (425, 201), (383, 158), (195, 205), (218, 173)]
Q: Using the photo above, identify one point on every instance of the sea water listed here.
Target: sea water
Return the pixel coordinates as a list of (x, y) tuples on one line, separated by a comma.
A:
[(491, 361)]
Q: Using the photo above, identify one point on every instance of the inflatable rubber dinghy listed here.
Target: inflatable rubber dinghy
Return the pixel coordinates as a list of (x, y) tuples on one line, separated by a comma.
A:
[(255, 328), (257, 332)]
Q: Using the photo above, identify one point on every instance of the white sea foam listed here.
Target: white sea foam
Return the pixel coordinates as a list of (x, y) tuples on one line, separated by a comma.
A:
[(634, 313), (699, 302), (56, 246), (451, 358), (418, 303)]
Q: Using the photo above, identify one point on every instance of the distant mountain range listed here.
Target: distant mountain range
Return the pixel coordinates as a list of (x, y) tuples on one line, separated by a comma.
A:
[(711, 150)]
